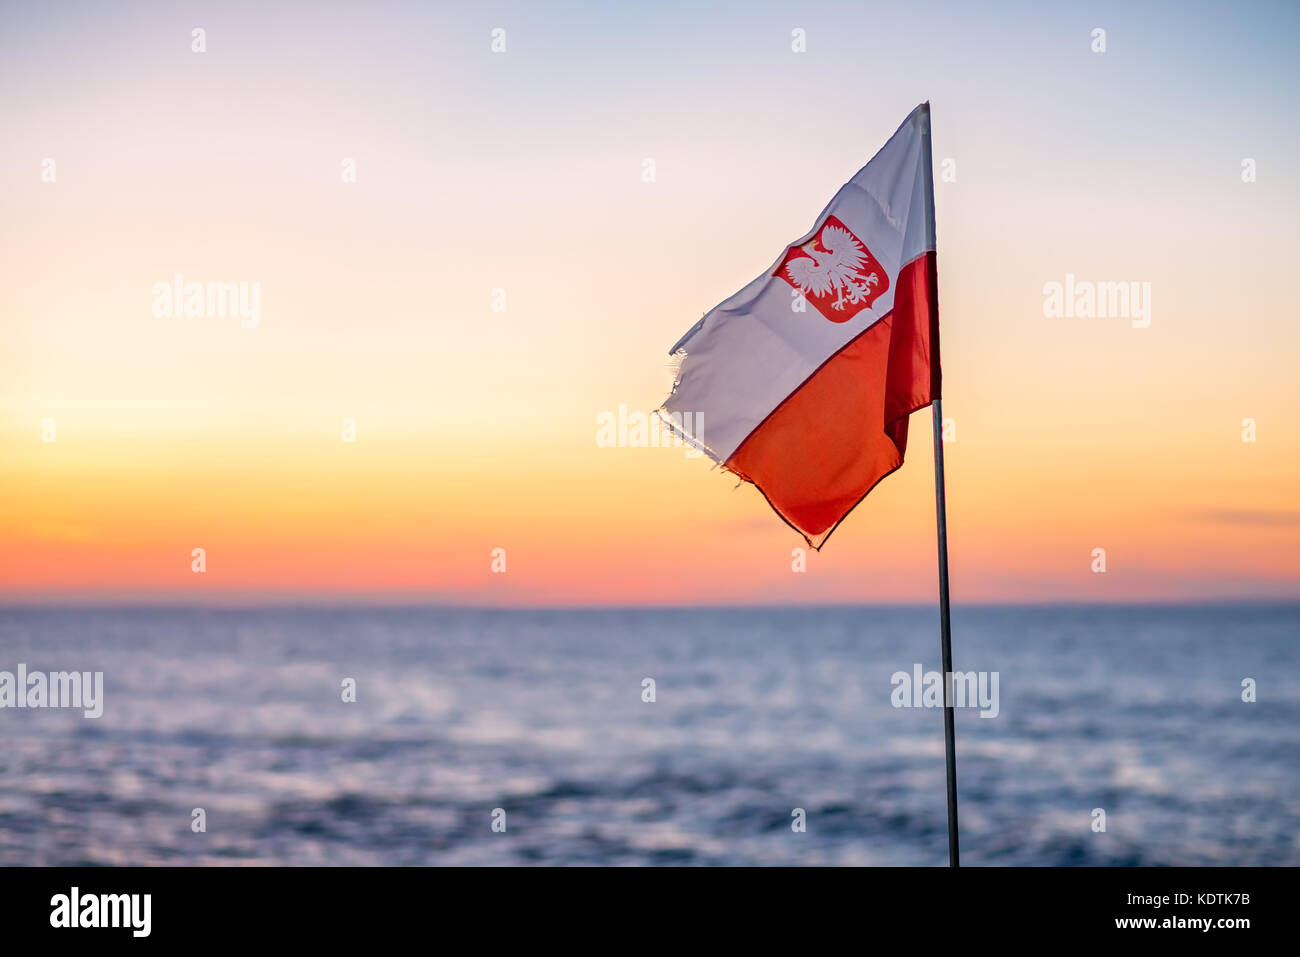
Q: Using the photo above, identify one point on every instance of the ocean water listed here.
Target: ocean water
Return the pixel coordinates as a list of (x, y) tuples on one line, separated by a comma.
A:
[(1137, 711)]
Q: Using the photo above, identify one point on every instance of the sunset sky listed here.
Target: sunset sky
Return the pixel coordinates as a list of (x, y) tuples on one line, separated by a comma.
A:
[(522, 171)]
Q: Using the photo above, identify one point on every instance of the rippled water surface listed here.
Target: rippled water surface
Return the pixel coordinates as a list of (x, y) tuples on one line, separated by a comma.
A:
[(1134, 710)]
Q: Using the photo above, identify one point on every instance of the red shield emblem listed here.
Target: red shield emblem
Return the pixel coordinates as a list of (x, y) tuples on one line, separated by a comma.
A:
[(835, 271)]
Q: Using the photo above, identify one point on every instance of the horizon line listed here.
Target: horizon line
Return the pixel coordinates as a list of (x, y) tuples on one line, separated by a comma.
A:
[(310, 603)]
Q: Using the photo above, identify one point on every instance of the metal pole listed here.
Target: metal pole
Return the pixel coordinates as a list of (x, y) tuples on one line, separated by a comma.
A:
[(945, 628)]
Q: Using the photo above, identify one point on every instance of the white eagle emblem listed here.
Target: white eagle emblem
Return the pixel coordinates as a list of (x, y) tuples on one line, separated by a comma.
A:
[(834, 268)]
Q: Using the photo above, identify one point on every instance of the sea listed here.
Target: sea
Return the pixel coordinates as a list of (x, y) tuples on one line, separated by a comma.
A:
[(435, 736)]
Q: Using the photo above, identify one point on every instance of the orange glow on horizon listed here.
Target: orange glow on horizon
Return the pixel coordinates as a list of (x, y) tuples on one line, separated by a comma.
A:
[(501, 272)]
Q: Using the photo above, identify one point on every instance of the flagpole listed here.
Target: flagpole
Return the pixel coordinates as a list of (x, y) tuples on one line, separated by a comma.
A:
[(945, 629)]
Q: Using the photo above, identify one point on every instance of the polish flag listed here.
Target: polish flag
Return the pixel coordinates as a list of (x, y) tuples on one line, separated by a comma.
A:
[(802, 382)]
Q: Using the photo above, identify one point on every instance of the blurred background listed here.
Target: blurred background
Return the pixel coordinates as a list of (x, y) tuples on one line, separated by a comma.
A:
[(1136, 711), (523, 171), (475, 229)]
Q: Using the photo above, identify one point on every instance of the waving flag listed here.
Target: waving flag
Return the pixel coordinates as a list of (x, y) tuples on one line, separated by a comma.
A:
[(802, 382)]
